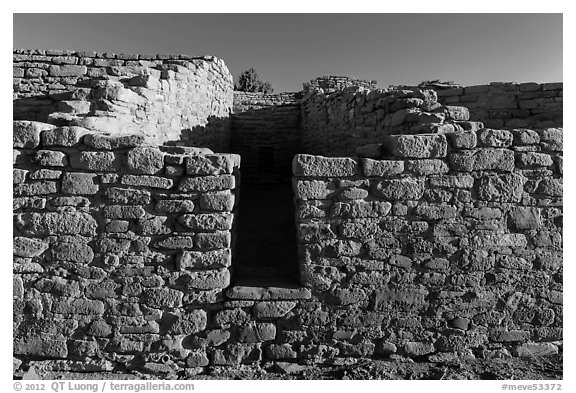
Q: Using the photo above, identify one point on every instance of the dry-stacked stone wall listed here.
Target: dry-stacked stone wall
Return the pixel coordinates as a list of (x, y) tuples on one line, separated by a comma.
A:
[(510, 105), (337, 123), (122, 251), (266, 133), (165, 98), (442, 246)]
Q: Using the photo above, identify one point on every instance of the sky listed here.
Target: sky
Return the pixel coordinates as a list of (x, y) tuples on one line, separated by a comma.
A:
[(289, 49)]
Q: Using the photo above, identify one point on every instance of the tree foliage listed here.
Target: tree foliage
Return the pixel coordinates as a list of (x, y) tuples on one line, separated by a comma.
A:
[(250, 81)]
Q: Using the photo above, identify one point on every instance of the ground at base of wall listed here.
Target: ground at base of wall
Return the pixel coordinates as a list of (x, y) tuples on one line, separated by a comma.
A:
[(538, 368)]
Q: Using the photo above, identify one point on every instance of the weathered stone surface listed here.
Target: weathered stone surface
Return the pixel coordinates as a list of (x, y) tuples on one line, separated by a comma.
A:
[(399, 189), (147, 181), (551, 187), (163, 297), (49, 346), (50, 158), (106, 142), (213, 241), (63, 136), (382, 168), (154, 226), (482, 159), (41, 174), (460, 113), (311, 189), (176, 243), (525, 218), (129, 196), (214, 164), (74, 252), (78, 306), (67, 70), (452, 181), (145, 160), (436, 212), (116, 212), (427, 167), (208, 279), (28, 247), (197, 359), (551, 139), (272, 309), (308, 166), (280, 351), (207, 222), (204, 259), (415, 348), (419, 146), (220, 201), (256, 332), (79, 184), (235, 317), (36, 188), (175, 206), (26, 134), (501, 188), (95, 161), (463, 139), (532, 160), (525, 137), (530, 350), (19, 175), (207, 183), (190, 322), (494, 138), (501, 335), (53, 223)]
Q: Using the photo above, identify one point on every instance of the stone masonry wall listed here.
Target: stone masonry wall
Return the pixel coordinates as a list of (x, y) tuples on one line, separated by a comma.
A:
[(122, 251), (166, 98), (510, 105), (266, 133), (443, 246), (337, 123)]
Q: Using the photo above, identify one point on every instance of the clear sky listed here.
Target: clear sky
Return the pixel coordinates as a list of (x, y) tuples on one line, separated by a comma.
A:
[(288, 49)]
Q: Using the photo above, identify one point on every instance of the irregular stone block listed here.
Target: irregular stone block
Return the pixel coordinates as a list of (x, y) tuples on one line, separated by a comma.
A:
[(112, 245), (407, 296), (501, 335), (197, 359), (117, 226), (79, 184), (382, 168), (459, 113), (28, 247), (220, 201), (308, 166), (189, 322), (256, 332), (214, 164), (19, 175), (36, 188), (207, 222), (360, 209), (74, 252), (26, 134), (436, 212), (437, 264), (419, 146), (105, 142), (67, 70), (415, 348), (41, 174), (495, 241), (176, 243), (154, 226), (524, 137), (315, 231), (551, 139), (119, 212), (206, 280), (501, 188), (343, 297), (281, 351), (175, 206), (95, 161), (463, 140), (145, 160), (399, 189), (530, 350), (207, 183), (213, 241), (42, 346), (427, 167), (56, 223), (551, 187), (78, 306), (350, 194), (452, 181), (102, 290), (311, 189), (235, 354), (204, 259), (163, 297), (533, 160), (272, 309), (128, 196), (147, 181), (231, 317), (50, 158), (63, 136), (482, 159), (525, 218), (494, 138)]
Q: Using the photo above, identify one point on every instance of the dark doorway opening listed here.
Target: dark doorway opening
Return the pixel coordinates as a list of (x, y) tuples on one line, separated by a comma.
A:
[(266, 249)]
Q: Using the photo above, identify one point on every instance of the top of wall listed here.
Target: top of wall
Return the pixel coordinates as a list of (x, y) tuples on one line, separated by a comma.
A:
[(332, 83), (108, 55)]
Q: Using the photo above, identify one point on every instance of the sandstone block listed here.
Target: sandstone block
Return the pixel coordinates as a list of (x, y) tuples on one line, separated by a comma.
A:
[(315, 231), (36, 188), (105, 142), (416, 348), (95, 161), (463, 140), (220, 201), (436, 212), (256, 332), (308, 165), (147, 181), (206, 280), (154, 226), (215, 164), (311, 189), (382, 168), (63, 136), (73, 252), (452, 181), (494, 138), (197, 358), (551, 187), (272, 309), (207, 222), (67, 70), (102, 290), (524, 137), (501, 335), (419, 146), (174, 206), (56, 223), (78, 306), (119, 212), (231, 317), (163, 297), (525, 218), (79, 183), (204, 259), (213, 241), (28, 247), (551, 139), (534, 160), (482, 159), (530, 350), (50, 158), (399, 189), (501, 188), (26, 134), (176, 243), (427, 167), (280, 351), (189, 322), (41, 346), (207, 183), (145, 160), (129, 196)]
